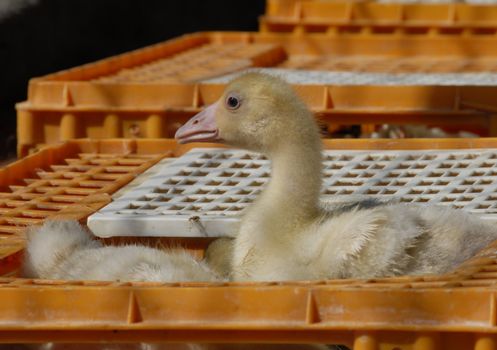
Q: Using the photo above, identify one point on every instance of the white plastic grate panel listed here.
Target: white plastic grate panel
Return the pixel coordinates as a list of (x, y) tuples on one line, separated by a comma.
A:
[(204, 192), (327, 77)]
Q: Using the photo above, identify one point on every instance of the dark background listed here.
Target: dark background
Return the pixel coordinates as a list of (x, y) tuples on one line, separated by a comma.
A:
[(57, 34)]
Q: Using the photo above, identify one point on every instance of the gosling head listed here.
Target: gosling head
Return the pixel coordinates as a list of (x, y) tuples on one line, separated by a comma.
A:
[(257, 111)]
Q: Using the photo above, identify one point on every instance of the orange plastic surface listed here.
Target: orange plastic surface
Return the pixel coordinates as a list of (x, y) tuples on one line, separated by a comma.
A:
[(205, 61), (369, 17), (454, 311), (174, 60), (71, 180)]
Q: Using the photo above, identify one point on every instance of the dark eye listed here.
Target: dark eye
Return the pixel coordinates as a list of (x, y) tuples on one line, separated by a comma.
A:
[(232, 102)]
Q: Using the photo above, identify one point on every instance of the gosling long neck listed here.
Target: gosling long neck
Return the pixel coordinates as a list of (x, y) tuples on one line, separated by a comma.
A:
[(292, 195)]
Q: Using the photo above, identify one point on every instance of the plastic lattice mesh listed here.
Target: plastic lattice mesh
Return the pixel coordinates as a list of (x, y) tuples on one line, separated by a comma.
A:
[(75, 185), (333, 75), (200, 63), (204, 192)]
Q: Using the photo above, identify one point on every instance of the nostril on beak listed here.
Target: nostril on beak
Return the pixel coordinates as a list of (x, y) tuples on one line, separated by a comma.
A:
[(195, 122)]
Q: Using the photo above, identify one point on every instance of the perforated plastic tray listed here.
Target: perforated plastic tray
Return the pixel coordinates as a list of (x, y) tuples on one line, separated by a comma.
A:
[(200, 63), (204, 192), (69, 181), (316, 74)]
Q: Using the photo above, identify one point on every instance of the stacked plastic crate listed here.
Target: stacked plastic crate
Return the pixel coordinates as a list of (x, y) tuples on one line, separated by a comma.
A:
[(138, 99), (149, 92), (356, 17)]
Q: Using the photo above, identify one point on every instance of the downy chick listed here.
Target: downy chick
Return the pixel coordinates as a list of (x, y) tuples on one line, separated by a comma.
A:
[(286, 234)]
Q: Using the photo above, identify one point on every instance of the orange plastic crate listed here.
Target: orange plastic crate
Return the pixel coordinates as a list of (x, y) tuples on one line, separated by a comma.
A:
[(453, 311), (137, 95), (369, 17), (71, 180)]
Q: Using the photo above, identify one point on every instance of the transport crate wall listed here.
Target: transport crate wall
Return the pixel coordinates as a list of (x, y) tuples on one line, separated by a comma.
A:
[(370, 17), (455, 311), (126, 95)]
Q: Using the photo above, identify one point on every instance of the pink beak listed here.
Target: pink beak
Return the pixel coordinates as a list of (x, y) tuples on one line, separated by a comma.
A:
[(201, 127)]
